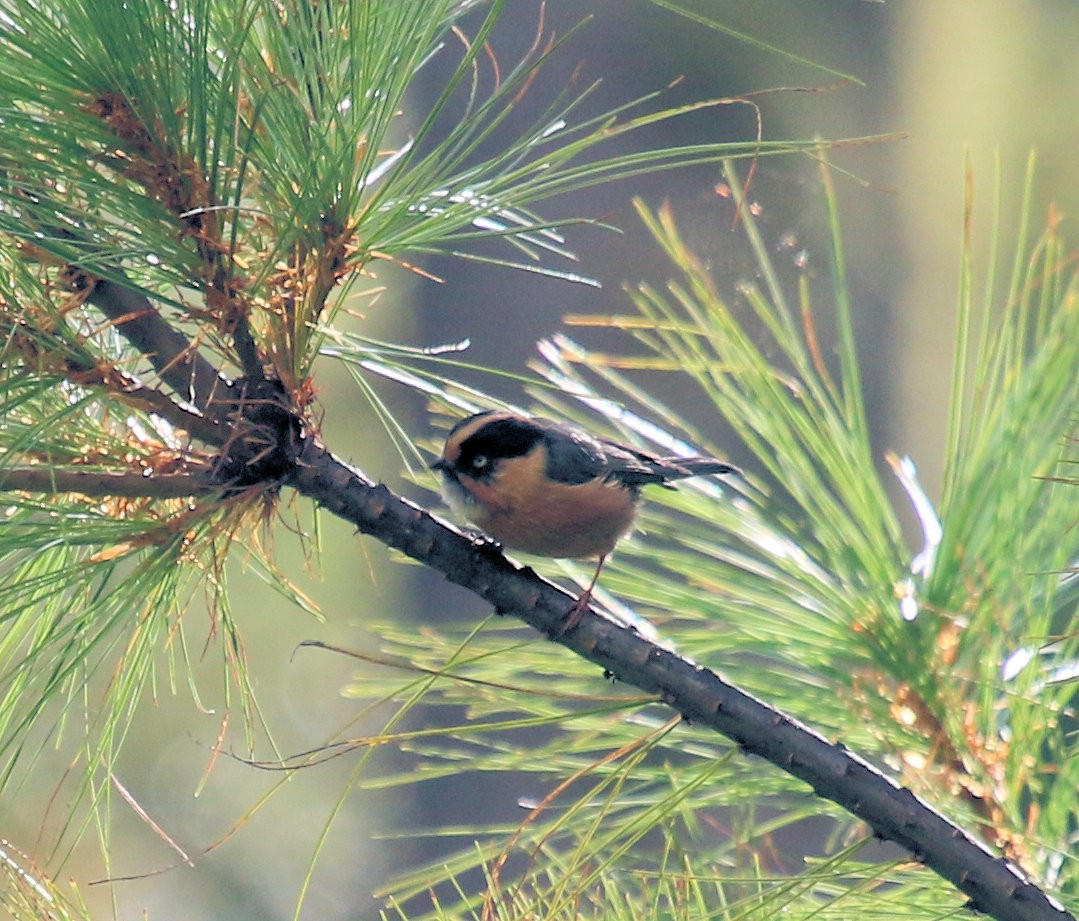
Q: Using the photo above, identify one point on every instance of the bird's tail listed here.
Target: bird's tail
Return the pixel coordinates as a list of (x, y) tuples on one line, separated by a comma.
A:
[(681, 467)]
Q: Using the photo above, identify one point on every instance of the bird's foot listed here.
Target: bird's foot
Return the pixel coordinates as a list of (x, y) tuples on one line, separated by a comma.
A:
[(576, 613)]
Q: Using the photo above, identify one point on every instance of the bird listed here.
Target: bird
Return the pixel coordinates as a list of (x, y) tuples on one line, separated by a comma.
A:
[(552, 489)]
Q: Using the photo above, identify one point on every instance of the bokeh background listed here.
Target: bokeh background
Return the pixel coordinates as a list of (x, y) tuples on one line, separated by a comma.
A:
[(947, 84)]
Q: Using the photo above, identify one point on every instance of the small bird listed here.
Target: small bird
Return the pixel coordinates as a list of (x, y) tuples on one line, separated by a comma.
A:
[(552, 489)]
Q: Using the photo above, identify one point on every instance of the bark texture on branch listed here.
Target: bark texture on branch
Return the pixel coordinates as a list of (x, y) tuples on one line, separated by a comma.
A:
[(993, 885)]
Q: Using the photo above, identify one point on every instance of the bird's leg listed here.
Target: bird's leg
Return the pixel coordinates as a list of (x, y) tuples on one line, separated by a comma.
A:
[(576, 612)]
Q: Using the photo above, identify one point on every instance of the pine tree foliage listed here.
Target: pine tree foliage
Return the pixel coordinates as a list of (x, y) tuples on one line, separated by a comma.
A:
[(952, 662), (208, 180), (238, 166)]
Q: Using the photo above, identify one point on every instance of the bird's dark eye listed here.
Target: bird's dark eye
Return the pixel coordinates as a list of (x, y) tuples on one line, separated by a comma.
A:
[(480, 463)]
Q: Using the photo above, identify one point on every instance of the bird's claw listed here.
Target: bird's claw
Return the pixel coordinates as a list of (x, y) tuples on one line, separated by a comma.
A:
[(575, 614), (485, 542)]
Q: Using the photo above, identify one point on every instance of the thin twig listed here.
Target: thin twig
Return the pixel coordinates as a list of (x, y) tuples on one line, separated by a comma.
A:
[(247, 350), (105, 484), (180, 416)]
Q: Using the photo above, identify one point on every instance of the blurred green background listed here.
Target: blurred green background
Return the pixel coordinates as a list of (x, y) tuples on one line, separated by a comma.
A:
[(984, 79)]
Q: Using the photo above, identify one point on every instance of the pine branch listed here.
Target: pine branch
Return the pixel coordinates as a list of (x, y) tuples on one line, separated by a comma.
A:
[(993, 885), (173, 356), (241, 147), (264, 444)]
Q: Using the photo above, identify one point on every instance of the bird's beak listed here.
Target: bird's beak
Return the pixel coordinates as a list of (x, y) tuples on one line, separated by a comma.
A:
[(445, 468)]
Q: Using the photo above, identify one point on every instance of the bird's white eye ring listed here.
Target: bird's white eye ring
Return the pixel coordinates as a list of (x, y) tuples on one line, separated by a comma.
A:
[(481, 462)]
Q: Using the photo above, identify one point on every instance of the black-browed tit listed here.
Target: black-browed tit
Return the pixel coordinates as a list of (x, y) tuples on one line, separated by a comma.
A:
[(552, 489)]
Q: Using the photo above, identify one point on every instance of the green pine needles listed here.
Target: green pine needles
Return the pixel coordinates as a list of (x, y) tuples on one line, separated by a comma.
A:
[(190, 191)]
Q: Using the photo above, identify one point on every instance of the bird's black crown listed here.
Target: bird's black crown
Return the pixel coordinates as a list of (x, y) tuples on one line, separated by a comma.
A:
[(495, 441)]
